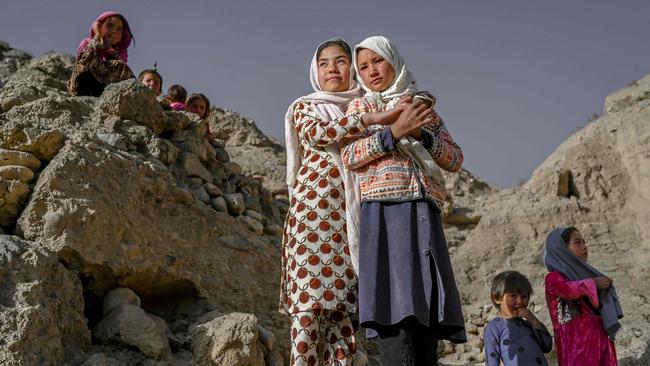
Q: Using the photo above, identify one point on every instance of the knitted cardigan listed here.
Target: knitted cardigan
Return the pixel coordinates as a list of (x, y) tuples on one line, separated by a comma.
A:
[(392, 176)]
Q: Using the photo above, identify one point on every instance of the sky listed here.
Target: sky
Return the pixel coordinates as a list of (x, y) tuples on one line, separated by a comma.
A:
[(513, 78)]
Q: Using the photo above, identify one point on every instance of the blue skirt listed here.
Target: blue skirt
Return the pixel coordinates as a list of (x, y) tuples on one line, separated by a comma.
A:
[(405, 274)]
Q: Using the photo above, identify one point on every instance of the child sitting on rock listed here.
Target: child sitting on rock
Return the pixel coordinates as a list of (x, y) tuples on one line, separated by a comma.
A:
[(175, 98), (199, 104), (152, 80), (102, 57), (516, 336)]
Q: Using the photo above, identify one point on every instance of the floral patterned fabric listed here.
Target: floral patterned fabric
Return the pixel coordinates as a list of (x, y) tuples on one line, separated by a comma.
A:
[(93, 70), (335, 331), (317, 270)]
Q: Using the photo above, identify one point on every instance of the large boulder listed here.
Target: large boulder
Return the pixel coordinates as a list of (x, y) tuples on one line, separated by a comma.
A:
[(130, 326), (231, 340), (45, 76), (119, 219), (41, 306), (130, 100)]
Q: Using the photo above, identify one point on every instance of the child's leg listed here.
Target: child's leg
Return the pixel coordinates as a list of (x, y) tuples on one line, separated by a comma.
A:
[(413, 346), (89, 86), (305, 337), (340, 346), (425, 345), (397, 349)]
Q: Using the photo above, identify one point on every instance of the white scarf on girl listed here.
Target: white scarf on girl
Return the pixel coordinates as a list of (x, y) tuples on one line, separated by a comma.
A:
[(330, 106), (404, 84)]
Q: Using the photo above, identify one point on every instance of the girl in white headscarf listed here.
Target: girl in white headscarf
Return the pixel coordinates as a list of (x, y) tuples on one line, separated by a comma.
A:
[(319, 282), (407, 291)]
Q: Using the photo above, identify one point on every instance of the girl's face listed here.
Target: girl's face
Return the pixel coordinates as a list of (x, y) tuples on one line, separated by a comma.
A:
[(511, 302), (113, 27), (333, 69), (152, 82), (375, 71), (577, 245), (198, 106)]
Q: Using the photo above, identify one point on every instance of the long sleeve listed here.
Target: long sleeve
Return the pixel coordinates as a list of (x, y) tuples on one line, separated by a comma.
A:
[(491, 345), (558, 285), (316, 132), (543, 338), (447, 154), (362, 149), (106, 67)]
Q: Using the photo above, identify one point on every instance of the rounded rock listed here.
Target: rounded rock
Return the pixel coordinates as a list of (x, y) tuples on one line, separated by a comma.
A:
[(12, 157), (16, 172), (118, 297)]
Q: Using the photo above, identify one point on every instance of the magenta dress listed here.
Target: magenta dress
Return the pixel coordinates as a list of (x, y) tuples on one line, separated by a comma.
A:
[(580, 339)]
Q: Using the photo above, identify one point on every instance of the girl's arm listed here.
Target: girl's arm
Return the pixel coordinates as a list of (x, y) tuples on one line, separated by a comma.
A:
[(435, 137), (540, 333), (316, 132), (91, 52), (558, 285), (543, 338), (491, 345), (362, 148)]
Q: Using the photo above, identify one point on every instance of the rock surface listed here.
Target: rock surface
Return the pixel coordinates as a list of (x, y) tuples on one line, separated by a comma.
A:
[(130, 326), (228, 340), (41, 307), (259, 155)]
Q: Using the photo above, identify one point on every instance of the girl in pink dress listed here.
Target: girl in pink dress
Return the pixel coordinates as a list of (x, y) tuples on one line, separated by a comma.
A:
[(582, 302), (102, 56)]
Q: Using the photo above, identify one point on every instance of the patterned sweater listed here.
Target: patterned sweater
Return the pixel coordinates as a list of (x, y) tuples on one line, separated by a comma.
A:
[(392, 176)]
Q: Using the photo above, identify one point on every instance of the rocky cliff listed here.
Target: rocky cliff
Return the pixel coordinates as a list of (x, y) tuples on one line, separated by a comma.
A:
[(129, 237)]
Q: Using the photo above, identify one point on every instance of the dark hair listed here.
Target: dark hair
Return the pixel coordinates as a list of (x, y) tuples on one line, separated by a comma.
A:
[(335, 42), (152, 72), (196, 96), (566, 234), (509, 281), (177, 93)]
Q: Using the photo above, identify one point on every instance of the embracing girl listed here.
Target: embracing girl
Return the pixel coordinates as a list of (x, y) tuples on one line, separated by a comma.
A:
[(407, 291)]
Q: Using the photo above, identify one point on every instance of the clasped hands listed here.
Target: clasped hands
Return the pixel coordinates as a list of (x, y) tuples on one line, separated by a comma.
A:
[(406, 119)]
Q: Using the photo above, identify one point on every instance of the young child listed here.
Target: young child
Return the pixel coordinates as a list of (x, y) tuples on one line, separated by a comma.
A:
[(199, 104), (102, 57), (516, 336), (407, 290), (582, 302), (152, 80), (175, 98)]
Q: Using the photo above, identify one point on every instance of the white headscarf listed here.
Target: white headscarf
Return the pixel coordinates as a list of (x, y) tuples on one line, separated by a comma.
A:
[(330, 106), (404, 84)]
